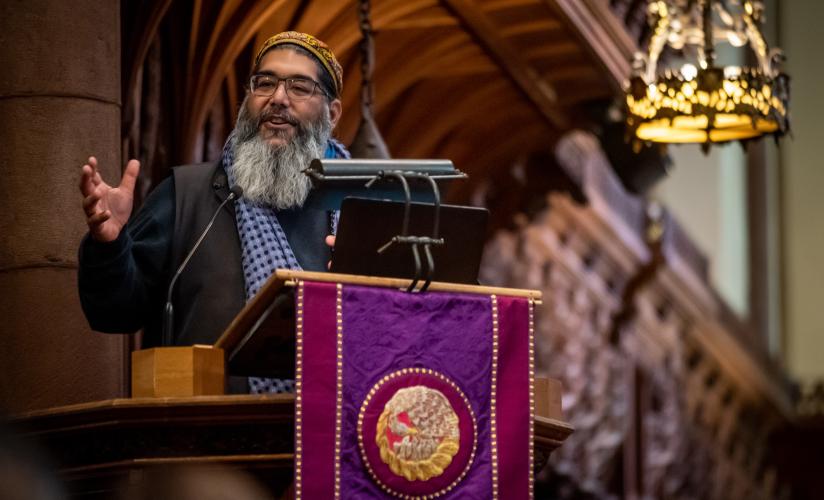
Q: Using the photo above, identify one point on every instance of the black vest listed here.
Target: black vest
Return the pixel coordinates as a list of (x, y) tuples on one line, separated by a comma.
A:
[(210, 292)]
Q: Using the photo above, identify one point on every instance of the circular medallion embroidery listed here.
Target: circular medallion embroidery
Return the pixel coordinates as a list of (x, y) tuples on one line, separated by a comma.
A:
[(416, 432)]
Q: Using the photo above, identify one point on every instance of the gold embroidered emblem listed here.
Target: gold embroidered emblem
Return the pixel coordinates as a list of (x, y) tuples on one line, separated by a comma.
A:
[(418, 433)]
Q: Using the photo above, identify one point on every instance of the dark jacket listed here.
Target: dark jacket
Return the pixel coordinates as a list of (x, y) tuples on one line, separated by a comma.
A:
[(123, 284)]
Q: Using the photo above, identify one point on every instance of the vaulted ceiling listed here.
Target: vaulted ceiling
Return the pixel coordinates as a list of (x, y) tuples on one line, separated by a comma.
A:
[(481, 82)]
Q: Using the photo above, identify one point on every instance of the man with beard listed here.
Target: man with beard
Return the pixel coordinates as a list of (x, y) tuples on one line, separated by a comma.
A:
[(291, 106)]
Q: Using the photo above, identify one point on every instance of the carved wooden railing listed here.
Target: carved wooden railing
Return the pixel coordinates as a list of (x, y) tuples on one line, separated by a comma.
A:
[(669, 398)]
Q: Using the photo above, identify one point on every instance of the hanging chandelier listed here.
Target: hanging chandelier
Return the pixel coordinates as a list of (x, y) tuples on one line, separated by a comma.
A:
[(702, 102)]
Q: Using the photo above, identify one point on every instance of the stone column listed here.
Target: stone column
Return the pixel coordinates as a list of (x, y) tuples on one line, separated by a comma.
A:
[(59, 103)]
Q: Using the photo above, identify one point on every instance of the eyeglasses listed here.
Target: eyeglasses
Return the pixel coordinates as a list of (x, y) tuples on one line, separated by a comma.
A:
[(297, 88)]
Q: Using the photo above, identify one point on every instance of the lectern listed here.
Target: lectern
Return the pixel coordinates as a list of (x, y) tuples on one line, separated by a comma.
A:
[(398, 394)]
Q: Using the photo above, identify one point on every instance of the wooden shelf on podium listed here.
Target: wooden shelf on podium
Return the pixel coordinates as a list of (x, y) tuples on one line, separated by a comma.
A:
[(98, 444)]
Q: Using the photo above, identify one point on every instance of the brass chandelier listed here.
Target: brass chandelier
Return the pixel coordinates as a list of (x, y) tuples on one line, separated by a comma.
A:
[(702, 102)]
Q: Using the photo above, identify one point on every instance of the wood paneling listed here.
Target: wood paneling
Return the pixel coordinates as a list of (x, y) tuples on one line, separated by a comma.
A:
[(526, 49), (99, 445)]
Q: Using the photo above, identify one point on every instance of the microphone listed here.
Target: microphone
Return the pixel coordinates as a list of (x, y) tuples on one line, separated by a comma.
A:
[(168, 313)]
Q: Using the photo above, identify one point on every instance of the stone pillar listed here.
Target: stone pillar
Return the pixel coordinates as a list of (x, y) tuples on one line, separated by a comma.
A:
[(59, 103)]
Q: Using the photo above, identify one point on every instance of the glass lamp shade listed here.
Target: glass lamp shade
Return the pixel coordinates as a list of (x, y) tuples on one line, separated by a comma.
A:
[(707, 108), (705, 103)]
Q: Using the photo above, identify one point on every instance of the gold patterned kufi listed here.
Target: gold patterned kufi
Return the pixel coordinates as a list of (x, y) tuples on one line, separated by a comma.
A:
[(319, 49)]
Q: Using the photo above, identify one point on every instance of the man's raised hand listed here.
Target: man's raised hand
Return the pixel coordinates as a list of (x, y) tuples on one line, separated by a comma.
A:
[(107, 208)]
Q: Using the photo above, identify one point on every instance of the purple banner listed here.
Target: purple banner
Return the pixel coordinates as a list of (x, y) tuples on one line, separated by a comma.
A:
[(417, 384), (315, 390), (386, 330), (514, 402)]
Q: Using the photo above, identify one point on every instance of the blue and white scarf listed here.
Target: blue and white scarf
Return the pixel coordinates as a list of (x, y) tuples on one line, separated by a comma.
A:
[(264, 247)]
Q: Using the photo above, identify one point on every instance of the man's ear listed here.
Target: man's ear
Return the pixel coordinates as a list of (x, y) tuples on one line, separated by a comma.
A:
[(335, 109)]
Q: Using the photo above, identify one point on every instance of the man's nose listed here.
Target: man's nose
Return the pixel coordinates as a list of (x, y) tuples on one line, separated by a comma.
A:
[(279, 96)]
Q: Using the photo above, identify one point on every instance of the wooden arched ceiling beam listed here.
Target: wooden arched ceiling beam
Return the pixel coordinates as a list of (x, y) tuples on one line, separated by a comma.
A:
[(554, 50), (415, 116), (419, 62), (491, 133), (502, 137), (233, 36), (497, 5), (586, 91), (347, 126), (444, 57), (413, 63), (228, 10), (496, 155), (448, 55), (444, 108), (401, 65), (536, 26), (232, 90), (422, 22), (602, 33), (539, 91), (194, 32), (487, 135), (343, 35), (137, 55), (284, 19), (575, 72), (319, 16), (515, 13), (337, 24), (492, 140), (501, 152)]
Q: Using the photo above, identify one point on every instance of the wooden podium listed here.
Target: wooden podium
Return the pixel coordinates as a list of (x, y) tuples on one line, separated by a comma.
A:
[(179, 415), (200, 370)]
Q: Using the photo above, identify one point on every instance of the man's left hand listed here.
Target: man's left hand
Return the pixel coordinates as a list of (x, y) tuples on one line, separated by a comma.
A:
[(330, 240)]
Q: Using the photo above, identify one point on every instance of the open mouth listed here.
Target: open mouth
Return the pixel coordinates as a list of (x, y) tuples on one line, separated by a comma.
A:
[(278, 121)]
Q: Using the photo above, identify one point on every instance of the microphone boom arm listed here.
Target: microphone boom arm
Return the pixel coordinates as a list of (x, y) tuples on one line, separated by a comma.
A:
[(168, 312)]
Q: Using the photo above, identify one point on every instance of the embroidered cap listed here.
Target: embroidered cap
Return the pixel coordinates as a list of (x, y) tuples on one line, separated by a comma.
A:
[(319, 49)]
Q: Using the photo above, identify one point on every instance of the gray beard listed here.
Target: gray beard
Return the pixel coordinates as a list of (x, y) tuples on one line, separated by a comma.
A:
[(272, 175)]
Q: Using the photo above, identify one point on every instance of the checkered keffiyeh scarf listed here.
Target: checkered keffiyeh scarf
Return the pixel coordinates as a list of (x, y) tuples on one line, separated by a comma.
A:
[(264, 247)]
